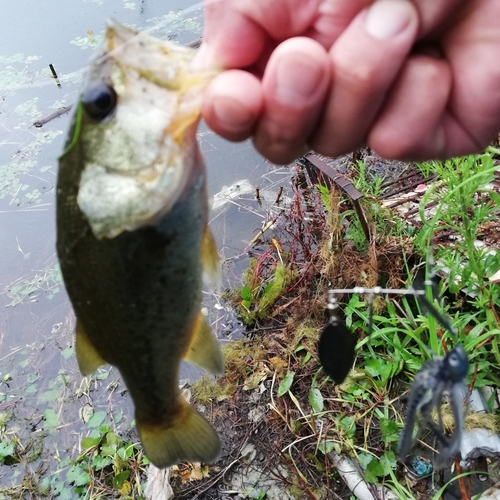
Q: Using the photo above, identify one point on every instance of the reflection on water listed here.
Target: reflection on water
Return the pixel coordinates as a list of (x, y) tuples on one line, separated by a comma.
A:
[(41, 391)]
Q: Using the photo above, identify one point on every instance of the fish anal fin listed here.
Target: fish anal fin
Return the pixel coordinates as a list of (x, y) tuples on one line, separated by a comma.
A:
[(88, 358), (210, 259), (204, 349), (188, 438)]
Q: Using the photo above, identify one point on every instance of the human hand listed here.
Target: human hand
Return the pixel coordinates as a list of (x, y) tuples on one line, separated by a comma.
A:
[(335, 75)]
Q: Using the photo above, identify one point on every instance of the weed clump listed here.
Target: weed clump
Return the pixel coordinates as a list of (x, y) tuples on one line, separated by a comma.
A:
[(240, 359), (308, 422)]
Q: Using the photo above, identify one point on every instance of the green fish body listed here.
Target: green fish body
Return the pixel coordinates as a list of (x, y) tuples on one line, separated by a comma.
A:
[(132, 236)]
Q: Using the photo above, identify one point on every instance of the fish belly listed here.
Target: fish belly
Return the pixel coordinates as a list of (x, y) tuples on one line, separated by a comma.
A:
[(137, 298)]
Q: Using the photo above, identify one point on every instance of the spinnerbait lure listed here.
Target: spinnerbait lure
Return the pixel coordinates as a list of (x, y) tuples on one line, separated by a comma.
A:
[(437, 377)]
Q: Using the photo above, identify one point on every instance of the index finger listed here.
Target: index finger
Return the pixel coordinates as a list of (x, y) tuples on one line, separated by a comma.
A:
[(237, 32)]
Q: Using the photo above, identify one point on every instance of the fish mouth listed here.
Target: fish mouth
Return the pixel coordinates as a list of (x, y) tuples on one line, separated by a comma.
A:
[(117, 34), (116, 195)]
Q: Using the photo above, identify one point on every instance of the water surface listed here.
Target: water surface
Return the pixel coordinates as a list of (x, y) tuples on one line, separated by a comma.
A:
[(42, 394)]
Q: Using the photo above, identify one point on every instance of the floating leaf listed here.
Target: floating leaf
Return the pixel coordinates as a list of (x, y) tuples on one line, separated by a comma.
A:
[(364, 459), (388, 461), (102, 375), (86, 412), (31, 389), (88, 442), (129, 450), (99, 462), (44, 486), (68, 352), (51, 419), (96, 419), (6, 450)]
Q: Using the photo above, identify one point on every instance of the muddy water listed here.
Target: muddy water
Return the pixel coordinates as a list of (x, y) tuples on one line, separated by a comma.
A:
[(43, 398)]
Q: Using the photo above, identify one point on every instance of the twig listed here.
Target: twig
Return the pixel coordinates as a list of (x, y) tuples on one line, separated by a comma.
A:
[(410, 186), (55, 114), (194, 44), (278, 197), (461, 482), (371, 487), (293, 469), (217, 478), (222, 473), (264, 229), (474, 376), (350, 473)]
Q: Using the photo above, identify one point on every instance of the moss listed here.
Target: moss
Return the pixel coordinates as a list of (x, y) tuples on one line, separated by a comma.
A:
[(253, 300), (240, 355), (240, 358), (273, 290), (209, 389)]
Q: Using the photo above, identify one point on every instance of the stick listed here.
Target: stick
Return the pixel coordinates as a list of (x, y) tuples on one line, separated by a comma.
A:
[(48, 118)]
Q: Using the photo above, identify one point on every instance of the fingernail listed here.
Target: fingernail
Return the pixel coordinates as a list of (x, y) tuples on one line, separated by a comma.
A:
[(388, 18), (297, 80)]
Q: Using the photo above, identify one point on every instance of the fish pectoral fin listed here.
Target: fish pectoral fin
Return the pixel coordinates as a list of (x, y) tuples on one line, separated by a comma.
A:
[(87, 356), (187, 438), (210, 260), (204, 349)]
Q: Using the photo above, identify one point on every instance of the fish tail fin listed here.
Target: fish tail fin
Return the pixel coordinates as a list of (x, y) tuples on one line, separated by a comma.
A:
[(189, 438)]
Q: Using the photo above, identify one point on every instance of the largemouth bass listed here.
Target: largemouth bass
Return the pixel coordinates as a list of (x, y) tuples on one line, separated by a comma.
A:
[(132, 236)]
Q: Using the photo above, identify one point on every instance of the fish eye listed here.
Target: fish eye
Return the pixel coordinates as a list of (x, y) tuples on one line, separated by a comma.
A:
[(99, 101)]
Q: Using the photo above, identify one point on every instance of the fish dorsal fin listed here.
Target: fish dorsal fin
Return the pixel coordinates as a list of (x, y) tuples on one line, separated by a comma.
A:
[(88, 358), (204, 349), (210, 259), (186, 437)]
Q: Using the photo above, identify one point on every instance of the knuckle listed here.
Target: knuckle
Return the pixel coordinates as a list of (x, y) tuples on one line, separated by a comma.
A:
[(359, 77)]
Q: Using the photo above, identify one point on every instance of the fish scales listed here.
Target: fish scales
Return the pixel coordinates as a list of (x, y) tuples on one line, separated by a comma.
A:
[(132, 236), (158, 268)]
